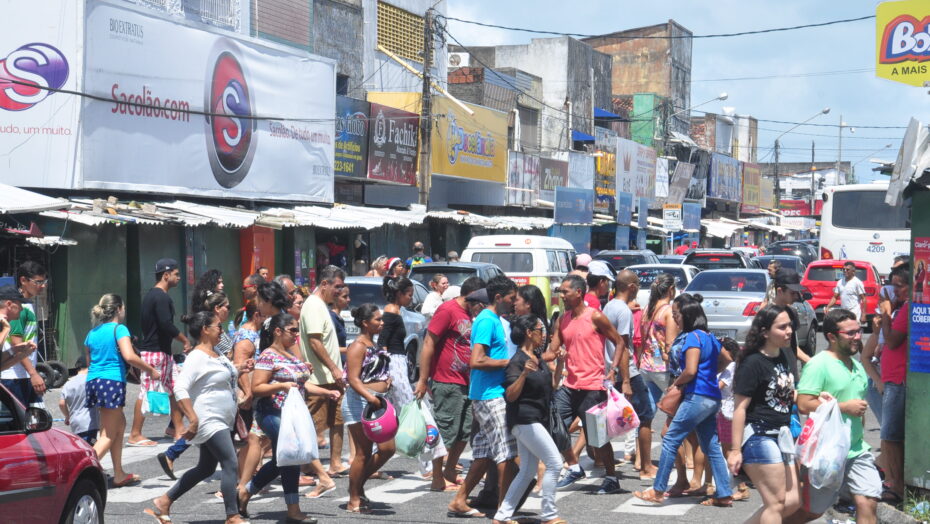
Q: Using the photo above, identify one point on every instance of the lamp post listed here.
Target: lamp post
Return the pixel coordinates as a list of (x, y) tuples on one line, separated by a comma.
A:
[(857, 162), (839, 154), (777, 145)]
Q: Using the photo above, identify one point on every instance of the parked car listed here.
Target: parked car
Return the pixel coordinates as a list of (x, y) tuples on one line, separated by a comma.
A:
[(647, 274), (805, 251), (821, 278), (621, 259), (717, 259), (46, 474), (807, 326), (368, 289), (670, 259), (787, 262), (457, 272), (527, 259), (748, 251), (731, 299)]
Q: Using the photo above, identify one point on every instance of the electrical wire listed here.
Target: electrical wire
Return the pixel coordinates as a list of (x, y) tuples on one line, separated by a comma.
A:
[(668, 37)]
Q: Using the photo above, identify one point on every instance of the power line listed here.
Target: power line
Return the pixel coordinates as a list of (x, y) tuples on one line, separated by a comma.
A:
[(792, 75), (668, 37)]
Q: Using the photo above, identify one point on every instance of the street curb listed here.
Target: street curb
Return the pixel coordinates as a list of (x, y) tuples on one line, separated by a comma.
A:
[(888, 514)]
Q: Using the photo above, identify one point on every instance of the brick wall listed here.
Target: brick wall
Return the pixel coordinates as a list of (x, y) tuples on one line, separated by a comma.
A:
[(286, 21), (466, 75)]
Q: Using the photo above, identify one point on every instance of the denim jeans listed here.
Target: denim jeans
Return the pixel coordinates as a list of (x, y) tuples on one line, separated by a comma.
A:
[(696, 413), (270, 423), (177, 449)]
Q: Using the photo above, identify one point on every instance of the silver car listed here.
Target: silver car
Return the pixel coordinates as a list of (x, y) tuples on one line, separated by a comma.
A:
[(647, 274), (368, 289), (731, 299)]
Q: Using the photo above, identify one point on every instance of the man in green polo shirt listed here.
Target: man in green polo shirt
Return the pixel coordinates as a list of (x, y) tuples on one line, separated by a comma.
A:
[(834, 373), (22, 379)]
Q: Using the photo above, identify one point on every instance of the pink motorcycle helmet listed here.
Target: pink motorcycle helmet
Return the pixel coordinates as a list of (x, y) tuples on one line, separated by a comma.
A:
[(380, 425)]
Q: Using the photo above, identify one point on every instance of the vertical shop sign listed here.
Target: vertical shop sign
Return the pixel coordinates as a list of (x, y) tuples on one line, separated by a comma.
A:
[(392, 145), (351, 151), (552, 174)]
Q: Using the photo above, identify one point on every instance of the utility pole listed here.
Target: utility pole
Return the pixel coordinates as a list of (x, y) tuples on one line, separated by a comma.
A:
[(426, 111), (839, 154), (777, 180), (813, 184)]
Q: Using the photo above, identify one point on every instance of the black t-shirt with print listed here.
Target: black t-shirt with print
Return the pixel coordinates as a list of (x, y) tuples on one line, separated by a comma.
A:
[(769, 383), (533, 404)]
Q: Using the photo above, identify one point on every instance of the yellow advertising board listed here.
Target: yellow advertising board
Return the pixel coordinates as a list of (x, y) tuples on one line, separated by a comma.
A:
[(902, 41), (463, 145), (752, 187), (767, 194)]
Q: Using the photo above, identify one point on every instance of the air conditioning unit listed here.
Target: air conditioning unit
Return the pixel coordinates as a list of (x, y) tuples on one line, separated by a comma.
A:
[(459, 60)]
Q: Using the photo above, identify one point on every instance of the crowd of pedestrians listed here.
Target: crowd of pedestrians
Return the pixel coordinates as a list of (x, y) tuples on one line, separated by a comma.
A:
[(497, 373)]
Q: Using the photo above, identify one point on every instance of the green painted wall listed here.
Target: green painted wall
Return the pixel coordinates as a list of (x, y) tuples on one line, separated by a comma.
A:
[(147, 244), (644, 126), (917, 423), (81, 274), (218, 248)]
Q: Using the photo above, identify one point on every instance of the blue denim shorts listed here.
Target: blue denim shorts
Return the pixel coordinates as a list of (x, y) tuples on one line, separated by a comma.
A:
[(762, 449), (893, 412)]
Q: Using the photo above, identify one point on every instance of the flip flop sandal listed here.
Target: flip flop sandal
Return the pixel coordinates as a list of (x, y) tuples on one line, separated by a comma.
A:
[(362, 509), (320, 492), (306, 480), (161, 518), (146, 443), (641, 495), (339, 474), (130, 480), (720, 503), (470, 514)]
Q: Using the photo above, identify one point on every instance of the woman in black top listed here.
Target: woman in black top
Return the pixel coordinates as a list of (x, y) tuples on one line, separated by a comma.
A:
[(398, 292), (763, 389), (529, 386)]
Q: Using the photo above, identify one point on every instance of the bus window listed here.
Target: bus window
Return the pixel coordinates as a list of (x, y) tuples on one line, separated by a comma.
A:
[(868, 210)]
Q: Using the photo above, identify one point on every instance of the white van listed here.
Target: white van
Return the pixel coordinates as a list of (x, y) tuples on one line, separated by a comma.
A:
[(526, 259)]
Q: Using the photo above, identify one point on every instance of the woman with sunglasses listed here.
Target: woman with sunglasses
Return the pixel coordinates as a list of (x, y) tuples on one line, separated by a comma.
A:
[(246, 346), (206, 393), (276, 371)]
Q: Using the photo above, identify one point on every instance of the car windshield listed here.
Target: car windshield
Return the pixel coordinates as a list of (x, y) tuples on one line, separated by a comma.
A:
[(364, 293), (715, 260), (787, 263), (456, 275), (621, 261), (509, 262), (736, 282), (832, 274), (787, 249), (647, 276)]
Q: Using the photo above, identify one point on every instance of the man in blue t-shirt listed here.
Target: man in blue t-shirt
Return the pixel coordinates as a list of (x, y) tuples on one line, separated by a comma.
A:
[(489, 357), (418, 257)]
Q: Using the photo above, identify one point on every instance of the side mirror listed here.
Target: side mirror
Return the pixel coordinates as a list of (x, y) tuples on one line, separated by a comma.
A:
[(807, 296), (37, 420)]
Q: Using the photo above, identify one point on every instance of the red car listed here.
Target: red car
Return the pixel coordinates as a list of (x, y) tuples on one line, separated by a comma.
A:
[(821, 278), (46, 474)]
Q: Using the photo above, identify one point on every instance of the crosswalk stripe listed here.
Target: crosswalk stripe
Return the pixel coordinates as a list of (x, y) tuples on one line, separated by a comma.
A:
[(671, 507), (396, 491), (534, 501)]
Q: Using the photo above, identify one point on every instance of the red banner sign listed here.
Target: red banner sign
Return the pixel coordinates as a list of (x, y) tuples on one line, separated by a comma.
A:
[(800, 208)]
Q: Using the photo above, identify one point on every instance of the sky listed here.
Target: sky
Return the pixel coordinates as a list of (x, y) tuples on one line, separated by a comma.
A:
[(861, 98)]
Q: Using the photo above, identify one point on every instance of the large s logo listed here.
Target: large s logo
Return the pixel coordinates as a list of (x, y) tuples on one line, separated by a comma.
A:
[(230, 130), (39, 65)]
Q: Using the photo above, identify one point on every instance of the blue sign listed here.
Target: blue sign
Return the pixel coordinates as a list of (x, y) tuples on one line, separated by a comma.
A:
[(624, 208), (919, 337), (725, 178), (574, 206), (691, 216), (643, 214), (622, 239)]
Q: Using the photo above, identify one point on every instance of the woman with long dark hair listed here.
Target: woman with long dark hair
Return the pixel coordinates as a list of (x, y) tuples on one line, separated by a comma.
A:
[(210, 282), (764, 392), (206, 393), (699, 406), (398, 292), (368, 374)]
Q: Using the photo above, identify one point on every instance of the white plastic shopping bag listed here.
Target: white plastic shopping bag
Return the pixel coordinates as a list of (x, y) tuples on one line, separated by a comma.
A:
[(435, 447), (297, 436), (824, 444), (595, 425)]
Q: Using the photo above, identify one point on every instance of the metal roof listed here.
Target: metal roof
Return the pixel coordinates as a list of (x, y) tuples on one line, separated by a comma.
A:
[(17, 200)]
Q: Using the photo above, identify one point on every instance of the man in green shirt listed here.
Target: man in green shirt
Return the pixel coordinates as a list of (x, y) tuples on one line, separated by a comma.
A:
[(831, 374), (22, 379)]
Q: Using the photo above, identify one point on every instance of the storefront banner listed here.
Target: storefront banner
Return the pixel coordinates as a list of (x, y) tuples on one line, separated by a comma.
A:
[(392, 145), (580, 170), (678, 187), (767, 194), (627, 151), (752, 188), (194, 112), (573, 206), (800, 208), (552, 174), (624, 208), (469, 146), (920, 336), (901, 41), (646, 173), (622, 237), (725, 178), (522, 179), (605, 169), (697, 189), (691, 216), (662, 178), (643, 218), (798, 222), (351, 150), (40, 45)]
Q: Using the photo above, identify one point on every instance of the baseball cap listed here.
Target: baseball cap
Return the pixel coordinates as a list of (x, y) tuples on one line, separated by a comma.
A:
[(788, 279), (165, 264), (479, 295), (11, 293), (582, 260), (601, 269)]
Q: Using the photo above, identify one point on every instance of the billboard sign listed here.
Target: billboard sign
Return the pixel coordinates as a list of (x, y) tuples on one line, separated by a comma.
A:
[(902, 46), (680, 179), (573, 206), (195, 112), (697, 189), (39, 127), (752, 188), (469, 146), (624, 208), (522, 179), (725, 178), (351, 149), (691, 216), (552, 174), (605, 169), (392, 145), (800, 208), (580, 170)]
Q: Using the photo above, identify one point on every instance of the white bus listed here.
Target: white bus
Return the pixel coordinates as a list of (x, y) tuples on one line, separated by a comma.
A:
[(857, 224)]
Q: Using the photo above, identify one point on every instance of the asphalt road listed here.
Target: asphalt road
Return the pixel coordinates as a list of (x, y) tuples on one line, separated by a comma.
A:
[(405, 499)]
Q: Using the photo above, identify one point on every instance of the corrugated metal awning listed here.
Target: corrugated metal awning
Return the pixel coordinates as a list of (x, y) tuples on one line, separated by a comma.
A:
[(17, 200), (721, 228)]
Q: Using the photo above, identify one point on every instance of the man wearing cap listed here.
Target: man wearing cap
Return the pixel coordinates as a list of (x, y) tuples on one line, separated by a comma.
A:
[(158, 332), (22, 379), (600, 278), (418, 257), (11, 306)]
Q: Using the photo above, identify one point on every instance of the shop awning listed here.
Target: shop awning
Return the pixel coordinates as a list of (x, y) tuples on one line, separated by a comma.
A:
[(17, 200), (721, 228), (603, 113), (524, 223), (578, 136)]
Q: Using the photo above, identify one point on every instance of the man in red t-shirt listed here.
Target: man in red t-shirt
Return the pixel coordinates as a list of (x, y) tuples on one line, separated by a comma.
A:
[(444, 361), (894, 371)]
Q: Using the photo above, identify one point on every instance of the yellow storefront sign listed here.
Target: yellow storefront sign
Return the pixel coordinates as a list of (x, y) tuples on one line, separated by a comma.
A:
[(463, 145), (902, 41)]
